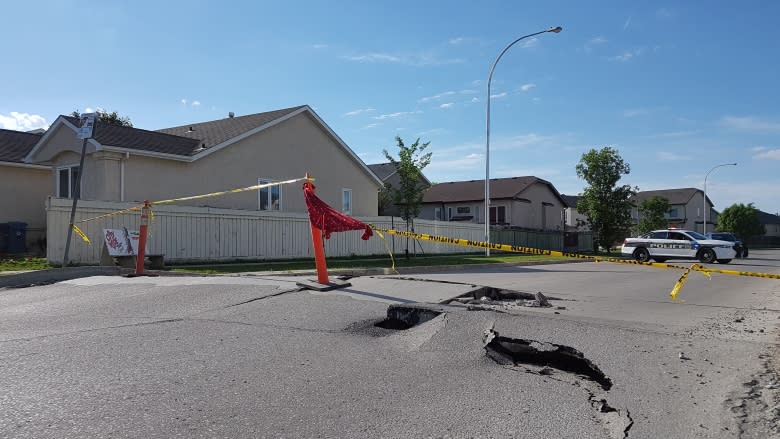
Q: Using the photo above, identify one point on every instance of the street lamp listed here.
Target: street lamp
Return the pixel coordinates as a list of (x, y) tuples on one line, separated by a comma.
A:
[(705, 193), (487, 133)]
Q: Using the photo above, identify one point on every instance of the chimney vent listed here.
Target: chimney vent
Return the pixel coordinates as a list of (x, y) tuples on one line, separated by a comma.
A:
[(231, 114)]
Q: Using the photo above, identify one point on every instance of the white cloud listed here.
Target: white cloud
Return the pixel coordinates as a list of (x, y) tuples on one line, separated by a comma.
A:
[(635, 112), (435, 97), (359, 111), (477, 82), (184, 102), (374, 57), (526, 87), (498, 96), (544, 172), (474, 99), (432, 131), (196, 103), (772, 154), (597, 40), (749, 123), (627, 23), (90, 110), (22, 121), (415, 59), (319, 46), (396, 115), (531, 42), (670, 156), (447, 105), (537, 99), (675, 134), (468, 92), (457, 40), (759, 148), (371, 125), (626, 56), (470, 161)]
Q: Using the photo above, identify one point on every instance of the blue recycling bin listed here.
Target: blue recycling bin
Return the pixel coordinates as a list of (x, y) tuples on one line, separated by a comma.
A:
[(17, 237)]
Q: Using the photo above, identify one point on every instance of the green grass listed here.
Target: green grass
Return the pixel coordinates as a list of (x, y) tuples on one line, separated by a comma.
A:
[(372, 262), (23, 263)]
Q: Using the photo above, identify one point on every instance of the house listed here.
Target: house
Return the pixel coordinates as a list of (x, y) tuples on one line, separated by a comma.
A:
[(523, 202), (686, 208), (771, 223), (575, 221), (132, 164), (23, 186), (391, 180)]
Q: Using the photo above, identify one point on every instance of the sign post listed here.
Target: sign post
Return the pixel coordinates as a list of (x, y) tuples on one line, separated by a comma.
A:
[(86, 132), (139, 263)]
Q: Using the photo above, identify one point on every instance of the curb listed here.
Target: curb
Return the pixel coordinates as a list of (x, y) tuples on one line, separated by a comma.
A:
[(43, 277)]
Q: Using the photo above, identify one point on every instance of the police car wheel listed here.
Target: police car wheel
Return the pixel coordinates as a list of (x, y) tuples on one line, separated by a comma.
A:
[(641, 254), (707, 255), (724, 261)]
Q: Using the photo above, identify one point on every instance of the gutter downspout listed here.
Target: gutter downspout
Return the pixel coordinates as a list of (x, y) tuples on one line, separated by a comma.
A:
[(122, 177)]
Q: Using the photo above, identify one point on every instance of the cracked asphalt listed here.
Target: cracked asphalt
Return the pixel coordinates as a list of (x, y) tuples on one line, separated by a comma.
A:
[(253, 356)]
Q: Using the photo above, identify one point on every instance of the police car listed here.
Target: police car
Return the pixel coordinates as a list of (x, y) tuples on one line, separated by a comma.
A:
[(661, 245)]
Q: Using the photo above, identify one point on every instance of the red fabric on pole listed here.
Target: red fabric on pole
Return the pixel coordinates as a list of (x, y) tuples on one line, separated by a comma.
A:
[(328, 219)]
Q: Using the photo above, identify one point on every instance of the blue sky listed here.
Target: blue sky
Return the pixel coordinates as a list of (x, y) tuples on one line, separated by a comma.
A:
[(676, 88)]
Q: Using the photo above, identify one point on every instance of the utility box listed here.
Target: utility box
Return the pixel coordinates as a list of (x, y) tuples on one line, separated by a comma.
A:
[(17, 237)]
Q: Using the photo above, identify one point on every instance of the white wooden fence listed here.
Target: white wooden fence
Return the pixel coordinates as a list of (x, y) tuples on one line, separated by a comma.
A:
[(186, 233)]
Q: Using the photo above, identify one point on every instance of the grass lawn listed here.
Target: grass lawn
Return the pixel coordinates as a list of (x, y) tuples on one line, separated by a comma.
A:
[(23, 263), (369, 262)]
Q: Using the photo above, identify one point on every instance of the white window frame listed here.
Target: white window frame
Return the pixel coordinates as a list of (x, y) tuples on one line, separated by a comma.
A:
[(345, 191), (71, 186), (269, 195)]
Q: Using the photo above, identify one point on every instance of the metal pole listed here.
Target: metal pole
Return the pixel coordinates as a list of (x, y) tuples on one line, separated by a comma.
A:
[(487, 134), (704, 203), (77, 193)]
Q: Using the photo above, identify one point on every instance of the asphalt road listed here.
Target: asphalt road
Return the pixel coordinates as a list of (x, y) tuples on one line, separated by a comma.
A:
[(252, 356)]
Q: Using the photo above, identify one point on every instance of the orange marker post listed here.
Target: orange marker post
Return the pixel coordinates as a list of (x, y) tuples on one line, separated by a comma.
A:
[(139, 263), (319, 252)]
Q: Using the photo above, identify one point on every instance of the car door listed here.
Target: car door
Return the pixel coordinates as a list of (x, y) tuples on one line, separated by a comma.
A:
[(680, 245), (659, 244)]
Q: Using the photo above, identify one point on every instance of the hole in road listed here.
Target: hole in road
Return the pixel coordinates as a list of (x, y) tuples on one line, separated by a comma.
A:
[(401, 318), (547, 355)]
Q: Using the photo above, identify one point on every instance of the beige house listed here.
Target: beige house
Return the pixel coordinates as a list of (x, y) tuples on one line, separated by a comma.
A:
[(575, 221), (391, 180), (686, 208), (524, 202), (23, 186), (131, 164), (770, 222)]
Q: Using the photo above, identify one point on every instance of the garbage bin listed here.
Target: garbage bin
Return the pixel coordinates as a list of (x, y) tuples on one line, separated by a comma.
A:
[(3, 238), (17, 237)]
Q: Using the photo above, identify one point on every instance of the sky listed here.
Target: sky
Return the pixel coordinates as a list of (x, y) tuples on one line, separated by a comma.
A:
[(676, 87)]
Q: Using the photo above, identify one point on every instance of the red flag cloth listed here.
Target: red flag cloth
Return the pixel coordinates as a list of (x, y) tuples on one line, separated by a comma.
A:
[(328, 219)]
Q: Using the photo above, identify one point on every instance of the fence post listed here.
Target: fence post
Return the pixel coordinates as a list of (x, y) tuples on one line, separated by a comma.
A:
[(141, 253)]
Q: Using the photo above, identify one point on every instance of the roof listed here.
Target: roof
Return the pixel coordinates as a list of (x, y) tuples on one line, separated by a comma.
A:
[(14, 145), (144, 140), (474, 190), (768, 218), (570, 200), (386, 170), (675, 196), (214, 132)]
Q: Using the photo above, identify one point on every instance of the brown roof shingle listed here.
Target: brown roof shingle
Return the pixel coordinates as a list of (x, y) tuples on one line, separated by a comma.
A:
[(14, 145), (145, 140), (474, 190), (675, 196)]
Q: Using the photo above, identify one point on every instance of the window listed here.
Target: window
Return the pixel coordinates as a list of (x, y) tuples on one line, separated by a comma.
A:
[(497, 214), (269, 198), (463, 209), (674, 212), (66, 181), (658, 235), (346, 201), (437, 213), (449, 214)]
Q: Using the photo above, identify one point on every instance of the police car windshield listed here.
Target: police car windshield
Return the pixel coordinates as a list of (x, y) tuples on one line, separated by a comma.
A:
[(696, 235)]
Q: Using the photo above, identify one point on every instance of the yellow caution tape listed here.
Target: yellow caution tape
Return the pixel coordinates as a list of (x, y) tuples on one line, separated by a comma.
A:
[(231, 191), (537, 251), (389, 252), (83, 235)]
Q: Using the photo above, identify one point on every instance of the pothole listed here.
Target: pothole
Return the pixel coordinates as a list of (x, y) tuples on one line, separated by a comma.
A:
[(492, 298), (548, 356), (401, 318)]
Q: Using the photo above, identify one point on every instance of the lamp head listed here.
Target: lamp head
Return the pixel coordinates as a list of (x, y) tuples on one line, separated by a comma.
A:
[(555, 29)]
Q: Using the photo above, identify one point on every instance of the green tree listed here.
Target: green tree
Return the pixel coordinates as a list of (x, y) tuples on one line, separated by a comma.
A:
[(112, 118), (742, 220), (652, 212), (606, 205), (408, 195)]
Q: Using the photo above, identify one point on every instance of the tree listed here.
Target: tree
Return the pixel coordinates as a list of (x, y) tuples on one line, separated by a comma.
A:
[(408, 196), (606, 205), (385, 199), (652, 213), (742, 220), (112, 118)]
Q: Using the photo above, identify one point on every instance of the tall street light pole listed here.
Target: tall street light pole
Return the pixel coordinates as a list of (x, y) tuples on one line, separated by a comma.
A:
[(487, 133), (705, 192)]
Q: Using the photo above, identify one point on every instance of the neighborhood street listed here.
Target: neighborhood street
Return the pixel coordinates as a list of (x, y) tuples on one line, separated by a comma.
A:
[(255, 356)]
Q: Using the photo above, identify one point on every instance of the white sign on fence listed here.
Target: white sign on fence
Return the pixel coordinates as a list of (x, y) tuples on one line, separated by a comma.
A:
[(122, 242)]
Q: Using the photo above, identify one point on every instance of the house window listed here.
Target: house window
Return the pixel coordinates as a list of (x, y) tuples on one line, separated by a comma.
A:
[(346, 201), (497, 214), (437, 213), (463, 209), (674, 212), (449, 214), (269, 198), (66, 181)]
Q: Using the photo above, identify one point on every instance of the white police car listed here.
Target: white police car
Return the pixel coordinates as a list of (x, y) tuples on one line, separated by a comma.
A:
[(661, 245)]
